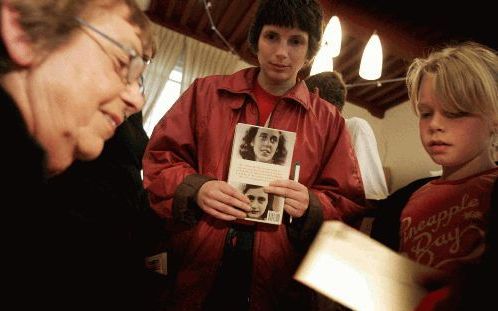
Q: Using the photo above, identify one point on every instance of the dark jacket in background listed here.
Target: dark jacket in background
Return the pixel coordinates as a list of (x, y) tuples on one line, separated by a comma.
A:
[(26, 224), (110, 227)]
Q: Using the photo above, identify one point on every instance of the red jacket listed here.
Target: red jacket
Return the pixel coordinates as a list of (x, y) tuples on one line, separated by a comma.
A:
[(192, 144)]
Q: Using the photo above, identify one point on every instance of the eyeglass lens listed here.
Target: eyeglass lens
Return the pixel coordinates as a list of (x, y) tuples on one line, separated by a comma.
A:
[(141, 84), (135, 68)]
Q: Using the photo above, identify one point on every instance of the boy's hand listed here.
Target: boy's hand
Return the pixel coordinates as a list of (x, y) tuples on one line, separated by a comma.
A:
[(296, 196), (221, 200)]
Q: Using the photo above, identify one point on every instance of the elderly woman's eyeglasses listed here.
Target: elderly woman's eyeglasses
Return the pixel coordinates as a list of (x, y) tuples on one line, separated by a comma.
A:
[(136, 65)]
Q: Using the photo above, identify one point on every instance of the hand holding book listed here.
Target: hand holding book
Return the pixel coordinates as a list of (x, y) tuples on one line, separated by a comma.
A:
[(223, 201), (296, 196), (260, 164)]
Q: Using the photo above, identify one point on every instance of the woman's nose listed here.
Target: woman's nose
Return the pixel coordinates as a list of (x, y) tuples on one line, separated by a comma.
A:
[(133, 98)]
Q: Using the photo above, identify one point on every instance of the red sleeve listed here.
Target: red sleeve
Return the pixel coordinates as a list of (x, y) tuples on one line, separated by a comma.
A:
[(171, 153), (339, 187)]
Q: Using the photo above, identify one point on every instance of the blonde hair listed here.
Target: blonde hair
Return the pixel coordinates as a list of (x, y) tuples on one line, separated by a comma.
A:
[(465, 79)]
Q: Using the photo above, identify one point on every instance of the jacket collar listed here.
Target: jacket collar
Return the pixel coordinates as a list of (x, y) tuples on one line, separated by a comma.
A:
[(242, 82)]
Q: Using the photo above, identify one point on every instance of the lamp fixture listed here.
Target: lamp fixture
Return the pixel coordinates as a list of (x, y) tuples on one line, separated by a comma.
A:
[(330, 47), (332, 36), (322, 61), (371, 60)]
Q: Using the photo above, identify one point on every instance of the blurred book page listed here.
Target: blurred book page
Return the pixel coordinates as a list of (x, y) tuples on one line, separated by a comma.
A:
[(361, 273)]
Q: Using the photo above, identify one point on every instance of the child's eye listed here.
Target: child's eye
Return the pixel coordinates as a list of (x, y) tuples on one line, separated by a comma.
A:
[(425, 114), (455, 115)]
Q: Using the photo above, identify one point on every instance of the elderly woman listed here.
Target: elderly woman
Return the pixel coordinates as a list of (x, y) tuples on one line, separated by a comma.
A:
[(60, 69), (69, 76)]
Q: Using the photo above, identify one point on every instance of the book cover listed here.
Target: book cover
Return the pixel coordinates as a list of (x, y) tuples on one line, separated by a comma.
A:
[(361, 273), (259, 156)]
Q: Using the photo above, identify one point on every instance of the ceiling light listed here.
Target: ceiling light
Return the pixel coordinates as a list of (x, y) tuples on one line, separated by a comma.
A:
[(332, 36), (322, 62), (371, 61)]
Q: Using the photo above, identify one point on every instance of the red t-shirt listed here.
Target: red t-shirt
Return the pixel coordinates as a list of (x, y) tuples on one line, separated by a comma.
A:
[(430, 301), (265, 101), (443, 223)]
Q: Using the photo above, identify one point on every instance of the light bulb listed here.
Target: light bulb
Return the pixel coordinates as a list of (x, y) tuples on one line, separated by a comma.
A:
[(371, 60), (332, 36), (323, 61)]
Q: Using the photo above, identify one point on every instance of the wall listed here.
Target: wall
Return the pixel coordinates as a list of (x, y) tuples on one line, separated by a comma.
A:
[(399, 144)]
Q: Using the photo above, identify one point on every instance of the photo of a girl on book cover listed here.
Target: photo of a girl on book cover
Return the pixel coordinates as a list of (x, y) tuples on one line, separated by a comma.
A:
[(261, 201), (264, 145)]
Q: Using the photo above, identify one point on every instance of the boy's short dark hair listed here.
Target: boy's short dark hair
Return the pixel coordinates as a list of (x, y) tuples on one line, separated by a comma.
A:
[(331, 87), (306, 15)]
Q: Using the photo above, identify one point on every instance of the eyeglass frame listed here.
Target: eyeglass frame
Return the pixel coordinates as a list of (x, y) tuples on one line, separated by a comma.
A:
[(132, 53)]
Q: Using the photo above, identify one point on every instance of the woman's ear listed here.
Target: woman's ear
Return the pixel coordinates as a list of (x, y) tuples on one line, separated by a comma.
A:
[(14, 38)]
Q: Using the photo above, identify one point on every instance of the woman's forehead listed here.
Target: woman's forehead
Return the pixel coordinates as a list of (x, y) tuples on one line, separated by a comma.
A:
[(116, 22), (256, 190), (268, 131)]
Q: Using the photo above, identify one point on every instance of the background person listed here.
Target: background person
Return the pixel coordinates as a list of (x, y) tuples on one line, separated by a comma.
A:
[(332, 88), (264, 145), (112, 227), (187, 159), (48, 68)]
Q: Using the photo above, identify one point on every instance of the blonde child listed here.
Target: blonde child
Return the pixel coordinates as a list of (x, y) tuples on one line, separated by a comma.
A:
[(444, 224)]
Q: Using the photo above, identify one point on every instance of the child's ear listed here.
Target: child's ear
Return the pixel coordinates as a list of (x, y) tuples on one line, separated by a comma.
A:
[(15, 39)]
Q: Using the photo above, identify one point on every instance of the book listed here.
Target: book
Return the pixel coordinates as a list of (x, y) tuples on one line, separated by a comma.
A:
[(259, 156), (361, 273), (157, 263)]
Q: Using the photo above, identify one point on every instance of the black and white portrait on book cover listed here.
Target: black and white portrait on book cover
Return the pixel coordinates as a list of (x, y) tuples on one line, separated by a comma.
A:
[(259, 156)]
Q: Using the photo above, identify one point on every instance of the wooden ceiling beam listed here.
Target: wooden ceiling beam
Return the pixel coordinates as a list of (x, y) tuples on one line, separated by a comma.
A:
[(171, 8), (396, 103), (201, 26), (362, 24), (185, 30), (361, 90), (244, 25), (187, 12), (395, 95), (385, 89), (229, 14)]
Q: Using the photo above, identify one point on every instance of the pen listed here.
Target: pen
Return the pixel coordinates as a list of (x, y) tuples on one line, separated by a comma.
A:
[(297, 168)]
